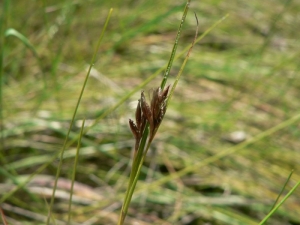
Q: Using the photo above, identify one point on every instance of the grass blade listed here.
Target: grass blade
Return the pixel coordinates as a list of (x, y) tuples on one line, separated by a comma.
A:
[(74, 114), (74, 173), (171, 60), (282, 189), (184, 62), (279, 204), (22, 38)]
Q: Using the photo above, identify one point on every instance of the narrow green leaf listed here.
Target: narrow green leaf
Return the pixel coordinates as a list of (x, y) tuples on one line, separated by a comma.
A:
[(282, 189), (280, 203), (74, 172), (22, 38), (74, 115)]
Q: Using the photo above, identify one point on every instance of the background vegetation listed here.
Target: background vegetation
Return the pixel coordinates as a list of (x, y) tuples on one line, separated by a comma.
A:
[(241, 80)]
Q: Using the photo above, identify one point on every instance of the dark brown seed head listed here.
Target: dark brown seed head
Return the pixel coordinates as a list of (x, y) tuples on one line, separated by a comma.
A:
[(138, 114), (143, 124), (155, 103), (160, 106), (146, 109), (134, 129), (165, 93), (154, 114)]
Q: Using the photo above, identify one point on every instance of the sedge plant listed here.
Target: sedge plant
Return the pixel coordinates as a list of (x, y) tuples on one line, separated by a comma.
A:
[(148, 118)]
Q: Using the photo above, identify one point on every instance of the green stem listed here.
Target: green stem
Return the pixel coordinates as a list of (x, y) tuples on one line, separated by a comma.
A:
[(133, 178), (280, 203), (282, 189), (133, 174), (169, 66), (74, 172), (74, 114)]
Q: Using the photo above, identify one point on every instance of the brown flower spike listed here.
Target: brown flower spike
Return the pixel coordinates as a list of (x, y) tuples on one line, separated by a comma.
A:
[(153, 114)]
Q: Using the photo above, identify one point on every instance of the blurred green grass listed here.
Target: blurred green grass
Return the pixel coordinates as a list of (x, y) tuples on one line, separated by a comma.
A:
[(243, 76)]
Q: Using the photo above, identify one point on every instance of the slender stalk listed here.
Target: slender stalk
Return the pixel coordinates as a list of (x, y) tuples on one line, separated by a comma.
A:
[(169, 66), (131, 187), (282, 189), (184, 62), (134, 174), (154, 115), (279, 204), (74, 114), (74, 172)]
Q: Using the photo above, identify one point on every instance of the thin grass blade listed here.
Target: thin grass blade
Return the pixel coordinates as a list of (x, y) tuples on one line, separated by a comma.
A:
[(74, 172), (74, 114), (279, 204), (171, 60), (282, 189), (184, 63), (22, 38)]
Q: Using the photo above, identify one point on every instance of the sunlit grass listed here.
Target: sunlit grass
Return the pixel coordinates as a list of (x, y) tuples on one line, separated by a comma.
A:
[(243, 76)]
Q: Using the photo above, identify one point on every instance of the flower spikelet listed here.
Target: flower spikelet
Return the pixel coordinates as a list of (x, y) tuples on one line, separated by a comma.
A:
[(152, 114)]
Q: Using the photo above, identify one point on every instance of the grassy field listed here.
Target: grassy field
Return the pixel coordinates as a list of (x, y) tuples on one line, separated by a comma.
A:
[(228, 142)]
